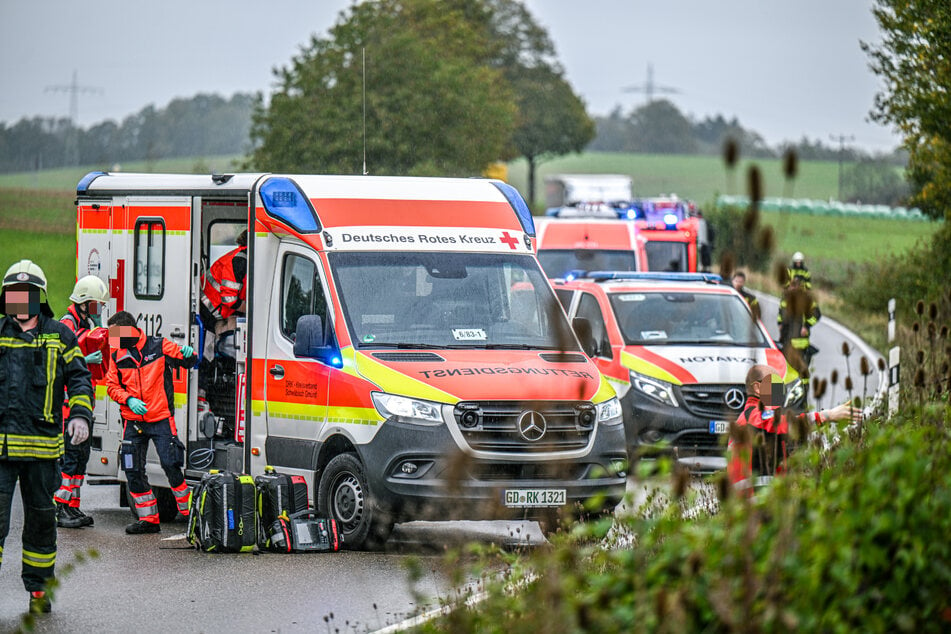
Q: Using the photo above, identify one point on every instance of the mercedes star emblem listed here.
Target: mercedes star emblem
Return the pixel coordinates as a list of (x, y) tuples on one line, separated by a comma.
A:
[(734, 398), (532, 426)]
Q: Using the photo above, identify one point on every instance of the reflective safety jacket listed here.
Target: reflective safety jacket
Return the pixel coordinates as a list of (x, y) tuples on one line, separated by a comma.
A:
[(35, 367), (791, 324), (144, 371), (766, 456), (223, 289)]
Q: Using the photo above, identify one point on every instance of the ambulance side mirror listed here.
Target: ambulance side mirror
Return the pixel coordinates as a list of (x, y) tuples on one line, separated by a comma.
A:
[(311, 341), (582, 328)]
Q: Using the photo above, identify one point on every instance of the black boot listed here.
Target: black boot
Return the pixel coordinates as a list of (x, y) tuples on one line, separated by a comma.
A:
[(66, 519), (141, 527), (82, 517), (40, 603)]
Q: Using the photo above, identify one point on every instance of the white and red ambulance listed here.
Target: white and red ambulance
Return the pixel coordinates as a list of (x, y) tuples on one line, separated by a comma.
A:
[(402, 348)]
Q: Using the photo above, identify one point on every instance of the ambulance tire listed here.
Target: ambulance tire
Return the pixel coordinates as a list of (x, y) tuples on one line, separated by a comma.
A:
[(167, 506), (344, 495)]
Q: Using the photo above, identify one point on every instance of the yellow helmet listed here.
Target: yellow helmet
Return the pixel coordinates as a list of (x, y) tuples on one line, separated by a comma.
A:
[(26, 272), (89, 288)]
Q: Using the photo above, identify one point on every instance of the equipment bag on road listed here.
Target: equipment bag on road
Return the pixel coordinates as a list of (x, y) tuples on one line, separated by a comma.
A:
[(303, 532), (223, 517), (277, 494)]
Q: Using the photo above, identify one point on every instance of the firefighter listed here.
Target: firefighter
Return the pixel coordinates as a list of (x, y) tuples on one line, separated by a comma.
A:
[(139, 379), (739, 283), (224, 294), (798, 313), (749, 458), (83, 315), (39, 359), (798, 269)]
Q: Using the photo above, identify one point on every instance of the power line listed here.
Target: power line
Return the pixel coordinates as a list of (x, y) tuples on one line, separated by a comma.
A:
[(649, 87), (841, 139), (74, 90)]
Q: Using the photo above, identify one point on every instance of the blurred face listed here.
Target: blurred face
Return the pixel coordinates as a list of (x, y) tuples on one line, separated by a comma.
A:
[(93, 308), (123, 336), (738, 281), (771, 390), (22, 301)]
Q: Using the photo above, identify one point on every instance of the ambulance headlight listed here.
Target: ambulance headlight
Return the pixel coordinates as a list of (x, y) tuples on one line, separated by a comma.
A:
[(794, 392), (407, 410), (660, 391), (609, 412)]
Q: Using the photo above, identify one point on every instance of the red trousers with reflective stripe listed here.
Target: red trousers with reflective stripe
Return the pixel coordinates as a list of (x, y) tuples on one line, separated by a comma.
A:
[(68, 492), (146, 506)]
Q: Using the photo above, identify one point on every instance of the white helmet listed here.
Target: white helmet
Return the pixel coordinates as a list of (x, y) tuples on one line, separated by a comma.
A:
[(26, 272), (89, 288), (798, 256)]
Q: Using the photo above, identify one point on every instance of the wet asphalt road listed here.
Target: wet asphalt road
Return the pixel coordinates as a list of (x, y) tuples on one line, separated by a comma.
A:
[(145, 583)]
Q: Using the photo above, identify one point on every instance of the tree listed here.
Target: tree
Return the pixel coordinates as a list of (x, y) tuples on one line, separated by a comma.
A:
[(914, 61), (660, 128), (434, 105), (552, 119)]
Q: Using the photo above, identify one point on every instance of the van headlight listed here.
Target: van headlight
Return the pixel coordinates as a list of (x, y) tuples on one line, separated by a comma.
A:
[(660, 391), (407, 410), (609, 412), (794, 392)]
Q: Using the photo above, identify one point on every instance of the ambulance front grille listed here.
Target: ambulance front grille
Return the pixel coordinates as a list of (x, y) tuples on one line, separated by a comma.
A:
[(494, 426), (709, 400)]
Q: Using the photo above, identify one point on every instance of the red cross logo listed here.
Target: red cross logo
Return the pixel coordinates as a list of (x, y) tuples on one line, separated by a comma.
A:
[(509, 240)]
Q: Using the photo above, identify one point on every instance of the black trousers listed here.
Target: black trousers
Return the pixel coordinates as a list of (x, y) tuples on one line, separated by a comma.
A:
[(38, 481), (135, 447)]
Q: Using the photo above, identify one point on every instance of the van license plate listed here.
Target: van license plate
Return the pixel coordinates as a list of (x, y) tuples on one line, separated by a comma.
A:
[(719, 426), (531, 498)]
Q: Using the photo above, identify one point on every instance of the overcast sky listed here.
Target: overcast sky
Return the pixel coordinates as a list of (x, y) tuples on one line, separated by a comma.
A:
[(784, 69)]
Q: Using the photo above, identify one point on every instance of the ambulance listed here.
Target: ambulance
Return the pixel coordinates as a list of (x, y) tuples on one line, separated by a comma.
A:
[(572, 246), (674, 237), (676, 347), (402, 348)]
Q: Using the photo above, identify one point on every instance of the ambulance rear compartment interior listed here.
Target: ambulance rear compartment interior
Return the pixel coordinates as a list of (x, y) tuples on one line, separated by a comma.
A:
[(221, 222)]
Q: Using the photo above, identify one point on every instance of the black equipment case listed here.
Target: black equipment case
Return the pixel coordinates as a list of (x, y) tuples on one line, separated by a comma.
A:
[(277, 494), (304, 532), (223, 516)]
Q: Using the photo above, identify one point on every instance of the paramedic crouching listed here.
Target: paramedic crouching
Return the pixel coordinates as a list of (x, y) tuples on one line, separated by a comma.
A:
[(140, 381)]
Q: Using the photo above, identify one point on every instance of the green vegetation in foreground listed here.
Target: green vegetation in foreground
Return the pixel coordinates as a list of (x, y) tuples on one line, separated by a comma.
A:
[(698, 178), (853, 539), (65, 179)]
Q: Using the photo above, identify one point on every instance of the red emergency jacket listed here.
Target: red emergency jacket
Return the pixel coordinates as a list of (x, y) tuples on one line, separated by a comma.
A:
[(223, 289), (768, 456), (144, 371)]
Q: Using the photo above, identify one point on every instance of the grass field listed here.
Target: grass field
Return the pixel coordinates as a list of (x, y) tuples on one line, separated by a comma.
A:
[(699, 178), (37, 216)]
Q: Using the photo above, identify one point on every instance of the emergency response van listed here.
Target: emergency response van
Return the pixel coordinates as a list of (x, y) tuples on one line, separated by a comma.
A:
[(402, 348), (572, 246), (676, 348)]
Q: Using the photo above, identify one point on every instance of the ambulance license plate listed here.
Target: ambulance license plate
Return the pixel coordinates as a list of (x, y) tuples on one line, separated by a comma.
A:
[(719, 426), (533, 498)]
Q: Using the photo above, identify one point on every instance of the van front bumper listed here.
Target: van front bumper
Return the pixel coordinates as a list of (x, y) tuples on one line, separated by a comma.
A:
[(418, 472)]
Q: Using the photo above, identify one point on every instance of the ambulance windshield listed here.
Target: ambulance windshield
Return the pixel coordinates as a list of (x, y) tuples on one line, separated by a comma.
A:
[(449, 300), (686, 318)]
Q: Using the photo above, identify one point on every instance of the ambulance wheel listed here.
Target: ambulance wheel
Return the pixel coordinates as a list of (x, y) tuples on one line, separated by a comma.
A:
[(167, 506), (344, 495)]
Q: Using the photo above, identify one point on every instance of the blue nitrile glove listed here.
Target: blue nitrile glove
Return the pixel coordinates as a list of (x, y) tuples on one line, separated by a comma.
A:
[(94, 358), (137, 406), (187, 351)]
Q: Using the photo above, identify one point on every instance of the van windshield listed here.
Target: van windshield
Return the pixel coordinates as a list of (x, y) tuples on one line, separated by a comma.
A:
[(686, 318), (666, 256), (560, 262), (448, 300)]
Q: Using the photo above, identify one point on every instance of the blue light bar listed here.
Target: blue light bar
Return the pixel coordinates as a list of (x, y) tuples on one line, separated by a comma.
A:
[(284, 200), (87, 180), (671, 220), (518, 204), (603, 276)]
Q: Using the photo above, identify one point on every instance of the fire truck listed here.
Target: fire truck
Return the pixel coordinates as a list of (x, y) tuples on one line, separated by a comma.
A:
[(674, 234), (402, 349)]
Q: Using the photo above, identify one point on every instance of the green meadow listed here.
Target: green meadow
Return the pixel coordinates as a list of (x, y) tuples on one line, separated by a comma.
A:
[(37, 213)]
